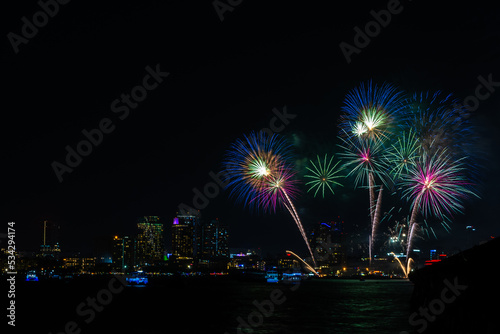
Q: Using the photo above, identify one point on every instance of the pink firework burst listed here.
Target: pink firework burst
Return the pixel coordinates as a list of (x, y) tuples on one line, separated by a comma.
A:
[(437, 185)]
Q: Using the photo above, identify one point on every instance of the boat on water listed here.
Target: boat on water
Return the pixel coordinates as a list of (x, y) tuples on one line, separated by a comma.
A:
[(292, 278), (137, 278), (31, 276), (272, 276)]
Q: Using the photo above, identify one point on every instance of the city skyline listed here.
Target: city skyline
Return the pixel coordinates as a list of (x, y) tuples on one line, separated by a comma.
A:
[(170, 143), (201, 241)]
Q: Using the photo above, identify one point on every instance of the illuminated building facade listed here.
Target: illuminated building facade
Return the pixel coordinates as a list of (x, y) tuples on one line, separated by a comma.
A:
[(287, 262), (123, 253), (326, 241), (185, 236), (214, 240), (197, 245), (150, 240), (79, 264), (248, 259)]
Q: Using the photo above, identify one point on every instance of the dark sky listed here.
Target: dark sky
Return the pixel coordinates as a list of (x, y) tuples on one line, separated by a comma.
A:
[(225, 79)]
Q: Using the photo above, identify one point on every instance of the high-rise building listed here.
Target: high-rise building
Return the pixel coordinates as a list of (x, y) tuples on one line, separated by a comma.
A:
[(185, 237), (50, 239), (124, 252), (214, 240), (150, 240), (326, 241)]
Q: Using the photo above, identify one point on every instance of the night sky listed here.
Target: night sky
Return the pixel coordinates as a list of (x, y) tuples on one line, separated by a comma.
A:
[(225, 78)]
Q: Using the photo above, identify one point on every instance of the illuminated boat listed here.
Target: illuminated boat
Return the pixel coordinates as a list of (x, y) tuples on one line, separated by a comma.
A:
[(31, 276), (272, 276), (137, 278), (292, 278)]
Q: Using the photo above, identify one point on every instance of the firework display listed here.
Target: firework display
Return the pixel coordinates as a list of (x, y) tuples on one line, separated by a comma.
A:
[(433, 117), (252, 164), (371, 111), (261, 175), (414, 147), (435, 184), (363, 159), (370, 119), (430, 161)]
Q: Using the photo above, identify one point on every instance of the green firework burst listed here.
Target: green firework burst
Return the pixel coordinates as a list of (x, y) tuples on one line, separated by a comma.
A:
[(403, 154), (323, 175)]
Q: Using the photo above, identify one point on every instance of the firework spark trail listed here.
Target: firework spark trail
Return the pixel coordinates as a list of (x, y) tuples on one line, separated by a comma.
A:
[(376, 215), (372, 214), (400, 264), (446, 226), (408, 266), (375, 209), (276, 189), (371, 189), (304, 262), (295, 216), (411, 233), (370, 248)]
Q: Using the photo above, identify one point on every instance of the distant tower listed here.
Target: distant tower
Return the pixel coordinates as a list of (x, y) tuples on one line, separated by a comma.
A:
[(150, 240), (326, 240), (214, 240), (50, 239), (123, 253), (185, 236)]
